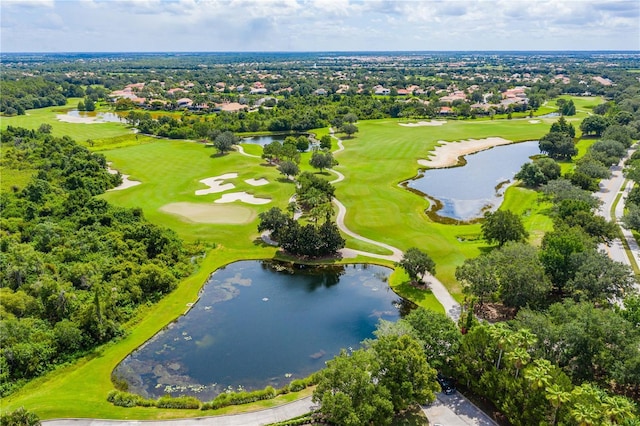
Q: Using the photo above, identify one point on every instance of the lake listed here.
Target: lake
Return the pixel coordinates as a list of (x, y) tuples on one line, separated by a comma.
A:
[(259, 323), (466, 192), (267, 139), (99, 117)]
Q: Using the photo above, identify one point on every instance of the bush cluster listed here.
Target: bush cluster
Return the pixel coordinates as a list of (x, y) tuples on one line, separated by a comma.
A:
[(126, 399)]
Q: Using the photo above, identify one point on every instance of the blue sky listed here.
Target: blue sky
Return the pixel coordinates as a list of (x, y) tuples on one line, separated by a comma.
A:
[(317, 25)]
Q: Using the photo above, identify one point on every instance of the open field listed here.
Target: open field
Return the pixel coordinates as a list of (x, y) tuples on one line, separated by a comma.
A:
[(380, 156), (80, 132)]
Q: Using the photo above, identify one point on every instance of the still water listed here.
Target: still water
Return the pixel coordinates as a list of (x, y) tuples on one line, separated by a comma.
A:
[(99, 117), (257, 324), (467, 192), (267, 139)]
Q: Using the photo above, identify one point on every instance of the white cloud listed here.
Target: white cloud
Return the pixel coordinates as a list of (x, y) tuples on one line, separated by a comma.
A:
[(29, 3), (227, 25)]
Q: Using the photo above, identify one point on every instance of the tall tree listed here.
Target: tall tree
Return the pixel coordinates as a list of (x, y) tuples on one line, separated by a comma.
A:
[(404, 371), (558, 145), (439, 335), (349, 129), (416, 263), (224, 141), (322, 160), (348, 394), (502, 226)]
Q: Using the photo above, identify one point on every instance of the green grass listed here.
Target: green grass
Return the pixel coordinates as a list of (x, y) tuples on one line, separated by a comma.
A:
[(170, 172), (413, 416), (78, 131), (115, 142), (380, 156), (400, 283), (11, 179)]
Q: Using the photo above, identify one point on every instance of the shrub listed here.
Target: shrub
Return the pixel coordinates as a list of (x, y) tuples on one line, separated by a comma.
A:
[(300, 384), (237, 398), (184, 402), (123, 399)]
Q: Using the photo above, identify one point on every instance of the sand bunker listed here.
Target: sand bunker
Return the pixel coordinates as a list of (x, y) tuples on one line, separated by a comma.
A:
[(424, 123), (242, 196), (210, 213), (534, 121), (257, 182), (126, 182), (446, 155), (215, 184)]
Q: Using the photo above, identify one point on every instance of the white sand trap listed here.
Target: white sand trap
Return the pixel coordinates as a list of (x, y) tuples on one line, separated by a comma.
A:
[(534, 121), (446, 154), (210, 213), (424, 123), (257, 182), (71, 119), (215, 184), (126, 182), (241, 196)]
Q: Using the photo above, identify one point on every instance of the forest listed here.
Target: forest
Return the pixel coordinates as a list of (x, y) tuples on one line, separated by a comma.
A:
[(75, 269)]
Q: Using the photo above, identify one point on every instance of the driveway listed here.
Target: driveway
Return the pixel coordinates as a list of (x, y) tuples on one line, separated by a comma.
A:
[(456, 410)]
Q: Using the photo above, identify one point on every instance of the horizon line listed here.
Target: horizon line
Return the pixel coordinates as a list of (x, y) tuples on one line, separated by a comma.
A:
[(314, 51)]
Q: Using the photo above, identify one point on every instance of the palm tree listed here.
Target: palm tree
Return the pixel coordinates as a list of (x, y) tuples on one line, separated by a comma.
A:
[(500, 333), (556, 396), (538, 374), (585, 415), (525, 338), (618, 408), (519, 357)]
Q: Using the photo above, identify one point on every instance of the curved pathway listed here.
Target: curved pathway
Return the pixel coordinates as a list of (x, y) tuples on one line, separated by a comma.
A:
[(451, 306), (242, 151), (261, 417)]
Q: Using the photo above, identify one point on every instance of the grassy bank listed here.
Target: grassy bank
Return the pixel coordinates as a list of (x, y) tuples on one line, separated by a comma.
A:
[(380, 156)]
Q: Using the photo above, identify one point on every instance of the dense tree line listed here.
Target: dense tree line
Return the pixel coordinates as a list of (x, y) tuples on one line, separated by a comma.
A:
[(20, 95), (74, 268), (570, 339)]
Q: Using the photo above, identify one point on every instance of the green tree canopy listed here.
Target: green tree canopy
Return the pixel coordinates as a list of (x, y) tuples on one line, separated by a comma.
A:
[(502, 226), (224, 141), (417, 263)]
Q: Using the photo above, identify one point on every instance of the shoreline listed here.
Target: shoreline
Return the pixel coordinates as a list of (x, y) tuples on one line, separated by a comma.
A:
[(446, 154)]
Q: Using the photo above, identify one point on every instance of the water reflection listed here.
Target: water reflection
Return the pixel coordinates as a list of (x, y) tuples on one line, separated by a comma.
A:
[(465, 193), (262, 323)]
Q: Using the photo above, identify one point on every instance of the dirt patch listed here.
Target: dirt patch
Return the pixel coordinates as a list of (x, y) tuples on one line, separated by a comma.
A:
[(447, 154), (424, 123), (494, 312), (242, 196), (210, 213), (215, 184), (257, 182)]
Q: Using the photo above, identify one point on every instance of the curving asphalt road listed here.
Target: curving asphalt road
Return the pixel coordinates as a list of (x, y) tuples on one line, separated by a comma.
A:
[(609, 190)]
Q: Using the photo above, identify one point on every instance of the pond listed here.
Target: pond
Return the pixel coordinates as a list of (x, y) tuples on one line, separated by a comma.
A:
[(465, 193), (99, 117), (267, 139), (258, 323)]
